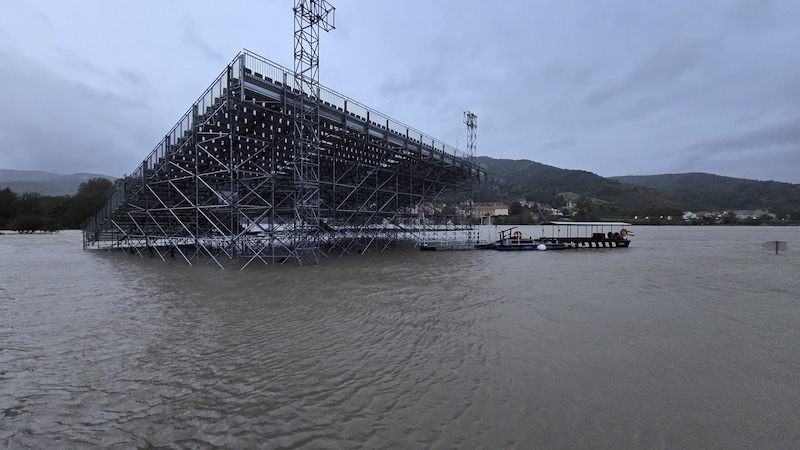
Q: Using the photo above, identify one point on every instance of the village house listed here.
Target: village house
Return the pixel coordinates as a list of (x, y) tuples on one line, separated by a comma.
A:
[(489, 210)]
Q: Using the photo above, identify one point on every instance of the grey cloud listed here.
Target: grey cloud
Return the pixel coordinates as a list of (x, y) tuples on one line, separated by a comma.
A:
[(40, 15), (777, 163), (133, 77), (786, 133), (662, 68), (195, 40), (676, 84), (78, 62), (559, 144), (752, 15), (771, 152), (68, 126)]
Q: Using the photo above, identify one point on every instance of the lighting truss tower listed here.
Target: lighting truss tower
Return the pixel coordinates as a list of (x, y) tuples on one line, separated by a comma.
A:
[(310, 16), (472, 133)]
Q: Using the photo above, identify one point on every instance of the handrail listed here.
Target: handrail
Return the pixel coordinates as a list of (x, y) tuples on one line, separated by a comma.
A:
[(282, 75)]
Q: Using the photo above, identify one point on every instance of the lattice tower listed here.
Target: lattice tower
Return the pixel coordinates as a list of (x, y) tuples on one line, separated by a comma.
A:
[(310, 16), (472, 132)]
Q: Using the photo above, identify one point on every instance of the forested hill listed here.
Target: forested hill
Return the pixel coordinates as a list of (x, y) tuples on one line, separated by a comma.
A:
[(511, 180), (719, 192)]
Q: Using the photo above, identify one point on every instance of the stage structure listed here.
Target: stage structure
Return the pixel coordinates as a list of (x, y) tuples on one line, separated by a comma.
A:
[(227, 184)]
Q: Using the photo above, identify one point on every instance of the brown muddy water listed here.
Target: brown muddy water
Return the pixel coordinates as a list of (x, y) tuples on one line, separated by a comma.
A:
[(688, 339)]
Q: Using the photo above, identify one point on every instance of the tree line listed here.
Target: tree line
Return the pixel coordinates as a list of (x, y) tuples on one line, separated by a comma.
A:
[(30, 212)]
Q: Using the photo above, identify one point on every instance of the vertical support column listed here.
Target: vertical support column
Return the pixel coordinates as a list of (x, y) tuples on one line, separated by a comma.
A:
[(310, 16), (236, 241), (196, 179)]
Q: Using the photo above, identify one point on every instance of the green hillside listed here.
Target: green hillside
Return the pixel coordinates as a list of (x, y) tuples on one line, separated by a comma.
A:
[(625, 197), (509, 181), (715, 192)]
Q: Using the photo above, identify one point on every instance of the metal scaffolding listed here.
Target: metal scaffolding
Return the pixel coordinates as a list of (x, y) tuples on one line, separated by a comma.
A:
[(228, 184), (310, 16)]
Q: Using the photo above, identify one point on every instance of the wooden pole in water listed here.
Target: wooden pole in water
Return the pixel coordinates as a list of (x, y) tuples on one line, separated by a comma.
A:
[(779, 245)]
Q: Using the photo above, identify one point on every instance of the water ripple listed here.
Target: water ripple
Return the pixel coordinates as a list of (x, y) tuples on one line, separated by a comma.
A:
[(655, 346)]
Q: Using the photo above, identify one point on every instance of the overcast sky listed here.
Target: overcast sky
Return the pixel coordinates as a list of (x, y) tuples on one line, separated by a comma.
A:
[(611, 87)]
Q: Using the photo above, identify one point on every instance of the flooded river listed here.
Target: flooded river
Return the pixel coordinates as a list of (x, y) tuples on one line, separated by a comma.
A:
[(688, 339)]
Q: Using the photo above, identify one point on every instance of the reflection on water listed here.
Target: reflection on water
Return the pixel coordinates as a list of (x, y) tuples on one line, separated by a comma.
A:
[(688, 339)]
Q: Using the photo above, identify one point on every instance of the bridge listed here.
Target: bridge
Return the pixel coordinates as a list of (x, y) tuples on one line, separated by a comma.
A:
[(224, 184)]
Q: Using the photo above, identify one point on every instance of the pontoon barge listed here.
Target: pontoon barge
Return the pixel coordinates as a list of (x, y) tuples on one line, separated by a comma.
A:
[(565, 235)]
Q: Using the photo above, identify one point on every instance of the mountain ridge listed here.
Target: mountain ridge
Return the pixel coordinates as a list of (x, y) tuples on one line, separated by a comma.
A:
[(45, 183), (511, 180), (667, 194), (717, 191)]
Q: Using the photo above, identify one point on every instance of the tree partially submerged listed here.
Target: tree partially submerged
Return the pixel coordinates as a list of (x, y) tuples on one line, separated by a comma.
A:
[(31, 212)]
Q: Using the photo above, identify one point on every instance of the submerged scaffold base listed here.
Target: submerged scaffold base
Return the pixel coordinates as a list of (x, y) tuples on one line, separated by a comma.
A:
[(222, 185)]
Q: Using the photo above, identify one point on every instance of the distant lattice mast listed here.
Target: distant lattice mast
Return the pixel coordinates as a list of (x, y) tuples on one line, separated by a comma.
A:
[(472, 132), (310, 16)]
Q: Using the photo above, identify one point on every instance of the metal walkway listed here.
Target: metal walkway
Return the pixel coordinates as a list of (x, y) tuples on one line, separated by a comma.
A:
[(222, 185)]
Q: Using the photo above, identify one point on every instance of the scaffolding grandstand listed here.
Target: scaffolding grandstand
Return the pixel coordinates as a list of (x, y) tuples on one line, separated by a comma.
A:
[(223, 184)]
